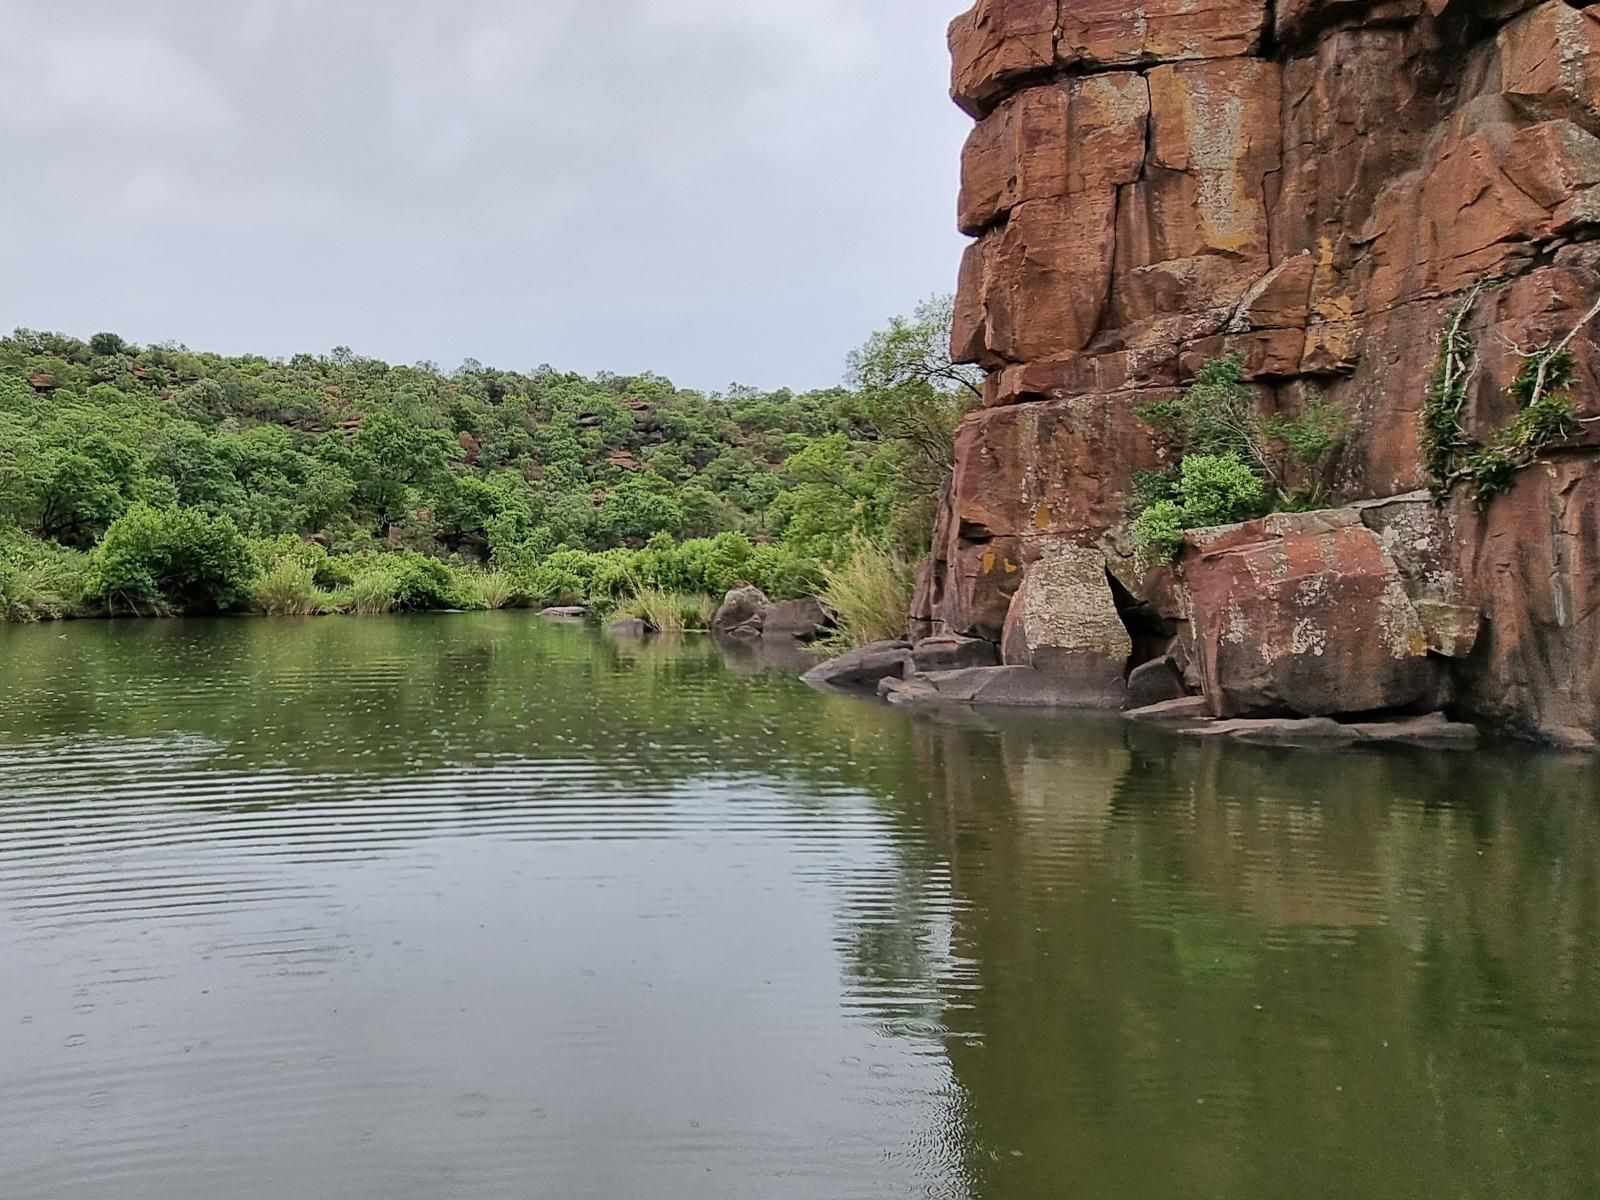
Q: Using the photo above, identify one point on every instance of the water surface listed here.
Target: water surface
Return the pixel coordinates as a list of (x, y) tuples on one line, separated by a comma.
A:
[(474, 906)]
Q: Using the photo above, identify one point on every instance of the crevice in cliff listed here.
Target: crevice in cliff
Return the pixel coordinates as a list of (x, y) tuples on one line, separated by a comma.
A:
[(1150, 632)]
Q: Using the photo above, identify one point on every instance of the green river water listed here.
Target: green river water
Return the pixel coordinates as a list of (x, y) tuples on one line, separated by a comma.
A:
[(478, 906)]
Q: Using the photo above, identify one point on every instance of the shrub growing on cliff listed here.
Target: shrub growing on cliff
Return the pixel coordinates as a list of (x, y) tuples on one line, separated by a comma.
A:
[(1233, 463), (156, 560), (1546, 412), (1211, 489)]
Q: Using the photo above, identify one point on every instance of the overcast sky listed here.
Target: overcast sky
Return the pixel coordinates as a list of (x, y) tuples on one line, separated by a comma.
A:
[(717, 190)]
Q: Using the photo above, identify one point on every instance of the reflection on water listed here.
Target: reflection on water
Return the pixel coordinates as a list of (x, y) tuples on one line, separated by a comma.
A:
[(479, 907)]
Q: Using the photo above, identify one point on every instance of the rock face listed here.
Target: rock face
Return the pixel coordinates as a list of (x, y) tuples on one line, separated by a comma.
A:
[(1314, 186)]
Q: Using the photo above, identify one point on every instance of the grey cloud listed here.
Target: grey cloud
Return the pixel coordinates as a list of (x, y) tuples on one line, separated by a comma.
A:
[(713, 189)]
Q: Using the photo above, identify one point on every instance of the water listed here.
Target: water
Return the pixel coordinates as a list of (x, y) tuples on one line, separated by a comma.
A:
[(474, 906)]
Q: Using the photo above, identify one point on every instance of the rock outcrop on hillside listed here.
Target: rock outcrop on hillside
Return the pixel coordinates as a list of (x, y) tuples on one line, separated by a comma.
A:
[(1314, 186)]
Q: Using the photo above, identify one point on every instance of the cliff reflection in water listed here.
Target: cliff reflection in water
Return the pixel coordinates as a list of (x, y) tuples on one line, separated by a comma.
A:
[(1206, 970), (644, 912)]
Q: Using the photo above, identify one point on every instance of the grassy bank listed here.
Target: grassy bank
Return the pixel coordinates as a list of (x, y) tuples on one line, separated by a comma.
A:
[(163, 562)]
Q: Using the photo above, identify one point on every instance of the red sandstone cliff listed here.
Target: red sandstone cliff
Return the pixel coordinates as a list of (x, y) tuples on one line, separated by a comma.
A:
[(1314, 185)]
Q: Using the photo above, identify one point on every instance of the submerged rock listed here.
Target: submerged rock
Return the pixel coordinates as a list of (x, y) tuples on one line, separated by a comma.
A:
[(631, 628), (1278, 731), (565, 612), (1186, 710), (1433, 730), (991, 686)]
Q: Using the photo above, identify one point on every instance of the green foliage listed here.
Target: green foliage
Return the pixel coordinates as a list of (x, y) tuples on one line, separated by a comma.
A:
[(39, 581), (1546, 413), (1215, 414), (1159, 529), (1211, 489), (1232, 464), (632, 513), (1218, 489), (1444, 441), (421, 584), (669, 612), (289, 589), (170, 560), (372, 594), (495, 590), (405, 481), (1311, 438), (910, 394), (869, 594), (1492, 468)]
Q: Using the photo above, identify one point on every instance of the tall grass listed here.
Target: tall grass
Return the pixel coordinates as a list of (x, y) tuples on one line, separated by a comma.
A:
[(669, 612), (495, 590), (40, 583), (373, 593), (869, 595), (289, 589)]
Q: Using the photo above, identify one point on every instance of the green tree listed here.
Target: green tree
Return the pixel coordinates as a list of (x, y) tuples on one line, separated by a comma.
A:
[(633, 513), (391, 458), (170, 560)]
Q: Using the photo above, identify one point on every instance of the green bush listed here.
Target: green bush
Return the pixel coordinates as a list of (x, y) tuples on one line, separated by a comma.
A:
[(1211, 489), (494, 590), (1159, 529), (423, 584), (549, 584), (669, 612), (1232, 463), (155, 560), (40, 581), (372, 593)]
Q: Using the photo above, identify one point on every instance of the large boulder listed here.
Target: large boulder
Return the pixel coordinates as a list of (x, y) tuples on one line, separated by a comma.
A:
[(800, 620), (1064, 624), (1304, 613), (863, 667), (743, 613), (1031, 481)]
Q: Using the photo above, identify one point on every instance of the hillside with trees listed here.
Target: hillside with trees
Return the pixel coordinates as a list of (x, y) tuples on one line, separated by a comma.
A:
[(152, 480)]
